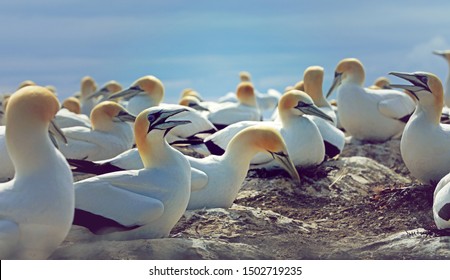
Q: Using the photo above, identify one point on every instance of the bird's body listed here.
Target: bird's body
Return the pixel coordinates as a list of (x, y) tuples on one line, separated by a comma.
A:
[(144, 203), (301, 135), (244, 110), (425, 144), (367, 114), (227, 172), (109, 136), (36, 207), (441, 203)]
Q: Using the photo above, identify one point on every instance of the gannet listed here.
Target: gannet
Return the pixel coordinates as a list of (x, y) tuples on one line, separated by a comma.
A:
[(70, 114), (333, 138), (194, 103), (303, 139), (138, 204), (37, 206), (110, 134), (245, 110), (88, 87), (106, 90), (366, 114), (441, 203), (381, 83), (26, 83), (446, 55), (425, 145), (145, 92), (227, 172)]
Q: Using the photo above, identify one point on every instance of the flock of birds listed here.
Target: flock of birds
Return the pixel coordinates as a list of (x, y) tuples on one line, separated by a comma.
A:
[(141, 184)]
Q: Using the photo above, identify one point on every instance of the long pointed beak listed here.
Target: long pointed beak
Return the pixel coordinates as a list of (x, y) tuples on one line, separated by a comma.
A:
[(56, 133), (410, 77), (160, 121), (336, 82), (124, 116), (311, 109), (199, 107), (286, 163), (98, 93), (441, 53), (127, 94)]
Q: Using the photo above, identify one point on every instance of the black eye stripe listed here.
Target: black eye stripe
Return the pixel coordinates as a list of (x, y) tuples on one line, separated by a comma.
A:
[(153, 117), (302, 104)]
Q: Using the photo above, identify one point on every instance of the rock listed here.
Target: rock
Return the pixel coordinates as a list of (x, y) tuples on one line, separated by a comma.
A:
[(345, 178), (386, 153), (413, 244), (158, 249), (237, 223)]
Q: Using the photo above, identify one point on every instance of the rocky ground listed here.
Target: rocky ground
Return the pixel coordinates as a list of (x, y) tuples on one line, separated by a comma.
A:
[(364, 205)]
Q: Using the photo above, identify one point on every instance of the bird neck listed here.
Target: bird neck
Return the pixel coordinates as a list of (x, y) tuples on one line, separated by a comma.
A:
[(431, 112), (29, 147), (240, 151), (154, 150)]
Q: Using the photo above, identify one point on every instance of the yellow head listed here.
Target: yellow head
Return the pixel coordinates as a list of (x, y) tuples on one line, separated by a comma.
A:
[(313, 80), (34, 101), (88, 86), (153, 86), (72, 104), (104, 114), (245, 76), (26, 83), (262, 138), (245, 93)]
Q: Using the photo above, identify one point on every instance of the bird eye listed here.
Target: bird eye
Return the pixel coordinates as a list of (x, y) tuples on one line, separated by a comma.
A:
[(424, 79), (151, 118)]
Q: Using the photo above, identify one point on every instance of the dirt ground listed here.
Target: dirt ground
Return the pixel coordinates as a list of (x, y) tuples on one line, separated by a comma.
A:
[(335, 225)]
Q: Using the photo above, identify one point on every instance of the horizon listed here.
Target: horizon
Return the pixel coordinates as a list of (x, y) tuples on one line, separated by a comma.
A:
[(204, 45)]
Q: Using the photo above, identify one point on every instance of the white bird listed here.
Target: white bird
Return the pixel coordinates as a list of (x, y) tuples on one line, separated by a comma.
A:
[(227, 172), (245, 110), (70, 114), (303, 140), (333, 138), (145, 92), (265, 101), (88, 87), (198, 125), (366, 114), (441, 203), (37, 206), (110, 134), (425, 144), (106, 90), (139, 204), (446, 55)]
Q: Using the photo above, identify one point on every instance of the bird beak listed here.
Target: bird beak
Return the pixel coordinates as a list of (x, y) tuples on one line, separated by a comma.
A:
[(287, 164), (124, 116), (440, 53), (160, 120), (311, 109), (198, 107), (127, 94), (56, 133), (416, 86), (336, 82), (98, 93)]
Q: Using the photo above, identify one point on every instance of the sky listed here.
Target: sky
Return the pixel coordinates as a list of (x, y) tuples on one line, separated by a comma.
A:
[(205, 44)]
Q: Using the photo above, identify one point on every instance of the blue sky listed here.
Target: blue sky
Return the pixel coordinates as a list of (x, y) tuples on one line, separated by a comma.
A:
[(204, 44)]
